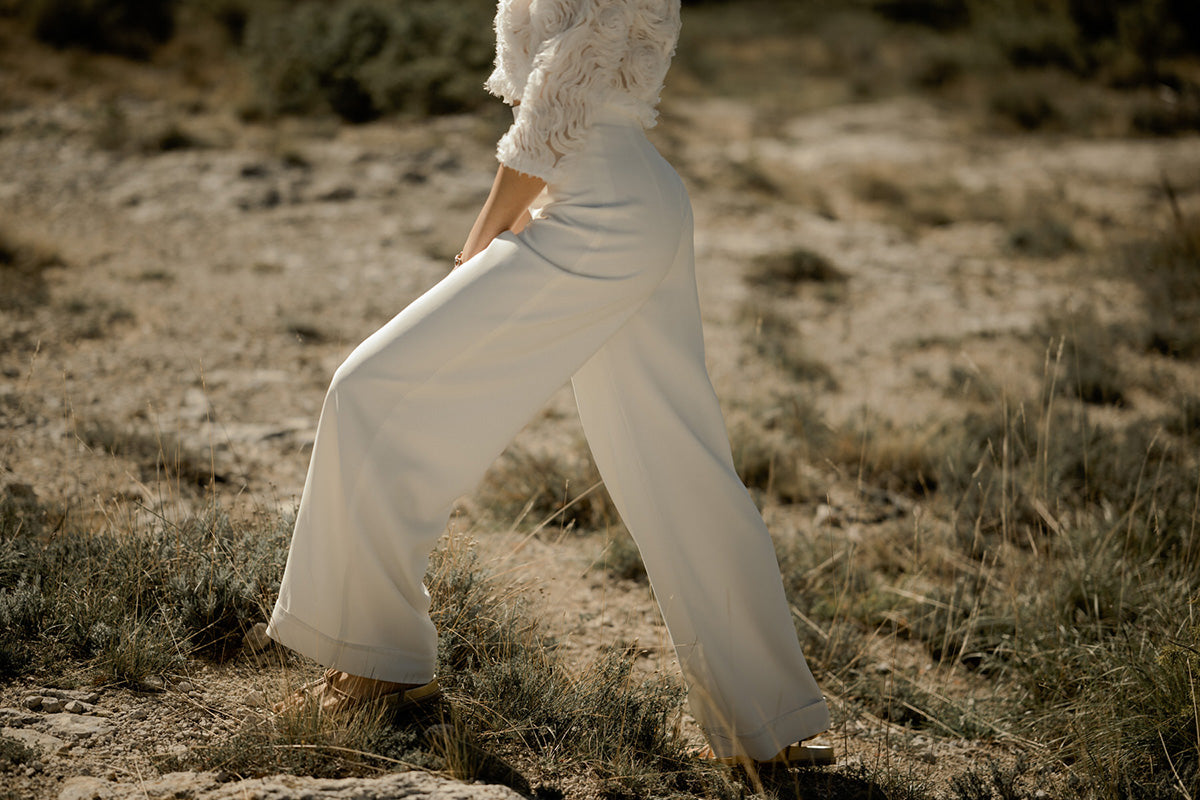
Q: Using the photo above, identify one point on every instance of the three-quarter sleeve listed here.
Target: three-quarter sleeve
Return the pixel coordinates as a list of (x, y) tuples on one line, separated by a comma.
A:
[(574, 71)]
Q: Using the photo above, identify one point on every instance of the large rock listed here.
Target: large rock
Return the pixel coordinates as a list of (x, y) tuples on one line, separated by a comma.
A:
[(18, 717), (206, 786), (73, 726), (44, 743)]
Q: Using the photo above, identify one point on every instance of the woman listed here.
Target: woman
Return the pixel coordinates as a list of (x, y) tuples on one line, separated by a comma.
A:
[(598, 287)]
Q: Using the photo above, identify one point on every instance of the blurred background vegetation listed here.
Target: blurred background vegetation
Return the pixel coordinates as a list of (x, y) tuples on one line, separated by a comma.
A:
[(363, 59)]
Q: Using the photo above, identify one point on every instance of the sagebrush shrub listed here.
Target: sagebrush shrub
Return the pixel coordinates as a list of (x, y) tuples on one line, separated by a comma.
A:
[(131, 604), (361, 59), (127, 27)]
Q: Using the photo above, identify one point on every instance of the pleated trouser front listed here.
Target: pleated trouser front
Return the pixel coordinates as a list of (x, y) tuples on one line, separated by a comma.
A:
[(600, 289)]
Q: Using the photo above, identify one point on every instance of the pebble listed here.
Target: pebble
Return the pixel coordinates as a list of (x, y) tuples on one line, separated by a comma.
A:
[(255, 699), (33, 702), (52, 705), (185, 686), (139, 713), (75, 707), (153, 683)]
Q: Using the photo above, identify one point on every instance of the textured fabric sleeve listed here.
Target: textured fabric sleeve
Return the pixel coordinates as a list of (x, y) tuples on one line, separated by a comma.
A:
[(513, 31), (574, 72)]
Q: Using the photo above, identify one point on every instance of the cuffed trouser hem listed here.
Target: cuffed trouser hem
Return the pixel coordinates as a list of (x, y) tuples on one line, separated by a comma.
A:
[(384, 664), (767, 741)]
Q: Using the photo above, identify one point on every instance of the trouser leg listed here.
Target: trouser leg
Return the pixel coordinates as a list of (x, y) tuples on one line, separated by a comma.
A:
[(656, 432), (419, 410)]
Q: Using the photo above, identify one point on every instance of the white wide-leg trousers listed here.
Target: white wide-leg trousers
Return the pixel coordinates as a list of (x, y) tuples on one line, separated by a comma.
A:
[(600, 289)]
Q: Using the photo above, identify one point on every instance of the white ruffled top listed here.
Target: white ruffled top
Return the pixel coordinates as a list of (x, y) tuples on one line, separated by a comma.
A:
[(560, 61)]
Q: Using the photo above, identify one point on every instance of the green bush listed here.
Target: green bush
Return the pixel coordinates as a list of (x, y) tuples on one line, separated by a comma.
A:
[(133, 604), (941, 14), (361, 59), (127, 27), (1082, 36)]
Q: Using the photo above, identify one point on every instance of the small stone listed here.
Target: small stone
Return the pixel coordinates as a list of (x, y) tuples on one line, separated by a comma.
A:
[(881, 668), (255, 699), (139, 713), (75, 707), (256, 639), (185, 686), (153, 683), (52, 705), (33, 702)]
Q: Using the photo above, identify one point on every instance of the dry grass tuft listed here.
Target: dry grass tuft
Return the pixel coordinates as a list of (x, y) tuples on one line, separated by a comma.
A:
[(787, 271), (1166, 271), (1069, 584), (774, 336), (1084, 353), (558, 490), (161, 459), (129, 603), (771, 462), (622, 559), (898, 459)]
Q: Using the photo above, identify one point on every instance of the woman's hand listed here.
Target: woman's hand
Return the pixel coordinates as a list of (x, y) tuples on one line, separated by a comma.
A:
[(507, 208)]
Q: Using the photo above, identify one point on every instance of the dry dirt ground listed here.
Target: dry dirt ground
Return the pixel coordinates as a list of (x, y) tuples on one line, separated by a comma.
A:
[(211, 273)]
